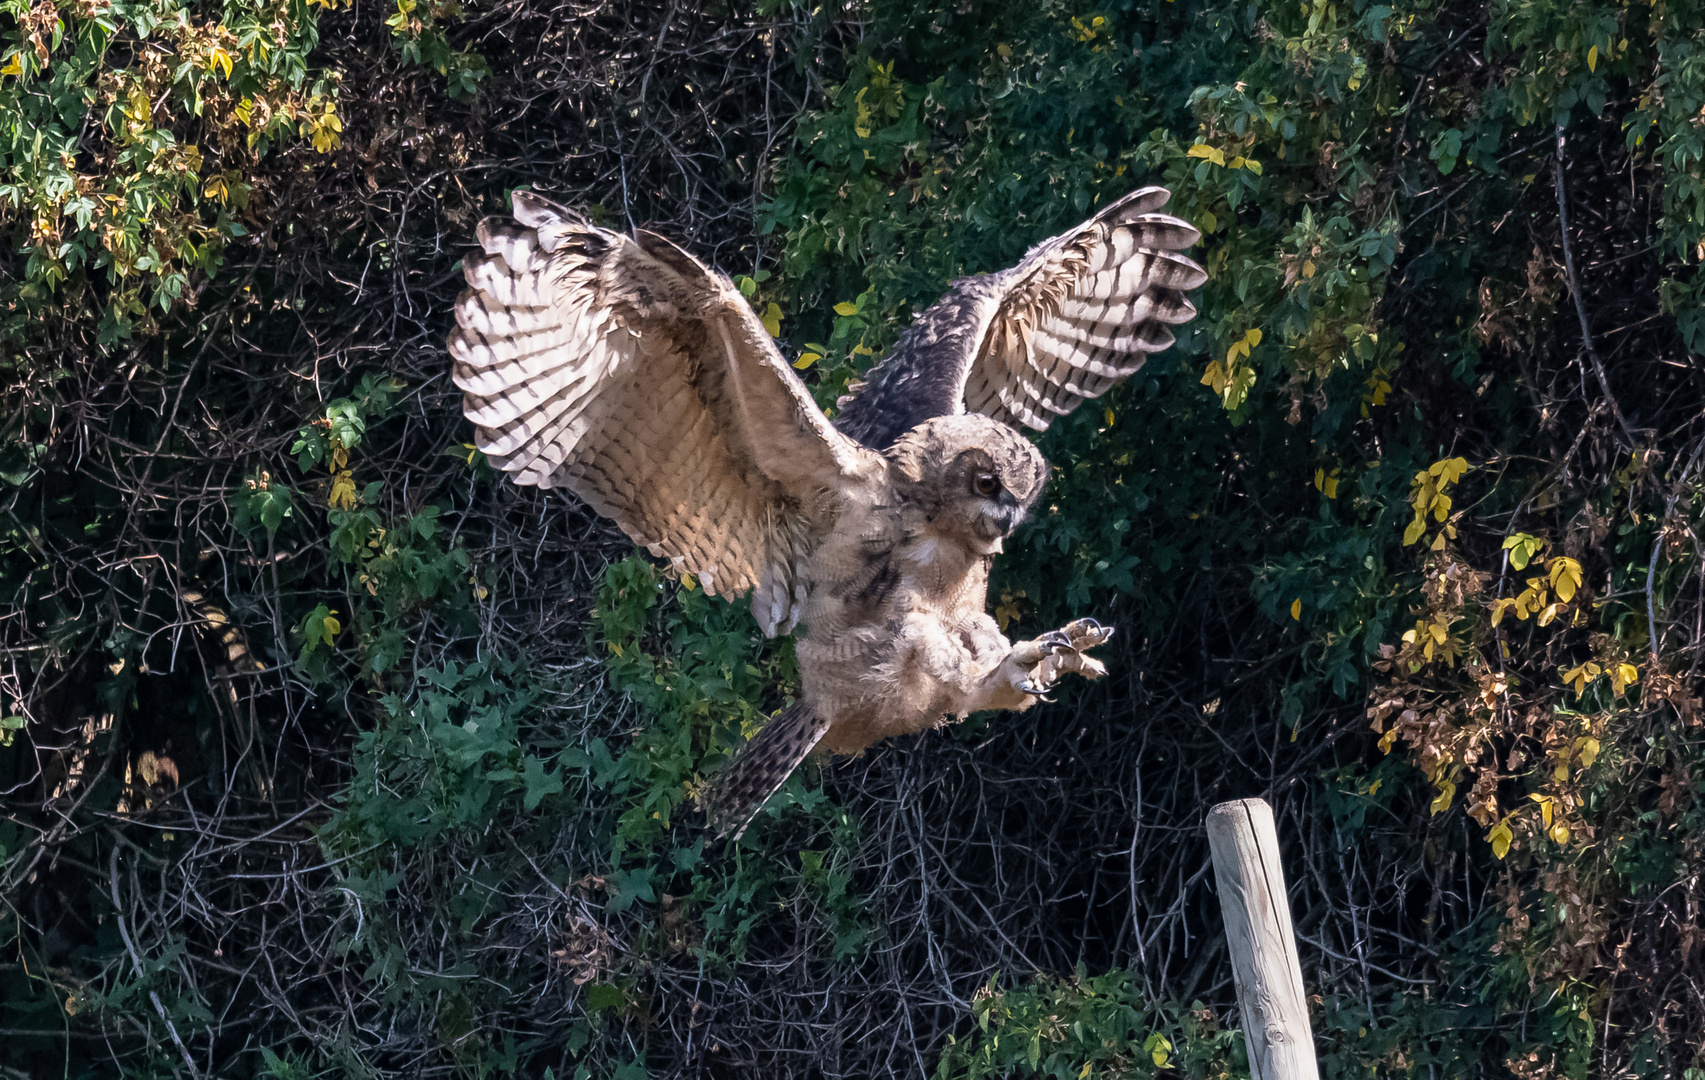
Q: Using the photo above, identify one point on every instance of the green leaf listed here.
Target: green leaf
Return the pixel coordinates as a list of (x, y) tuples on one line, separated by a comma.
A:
[(601, 996), (539, 782)]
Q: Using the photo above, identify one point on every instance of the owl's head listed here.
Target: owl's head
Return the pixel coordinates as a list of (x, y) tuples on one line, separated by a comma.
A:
[(971, 478)]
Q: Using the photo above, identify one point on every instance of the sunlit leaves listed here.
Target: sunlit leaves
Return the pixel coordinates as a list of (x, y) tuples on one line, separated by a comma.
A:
[(1500, 838), (121, 161), (1232, 378), (1565, 577), (1441, 802), (1159, 1049), (1562, 577), (1207, 153), (1622, 675), (1326, 483), (1429, 496), (1522, 549)]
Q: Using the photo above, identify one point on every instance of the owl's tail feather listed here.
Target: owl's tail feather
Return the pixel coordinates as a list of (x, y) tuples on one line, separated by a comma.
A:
[(737, 793)]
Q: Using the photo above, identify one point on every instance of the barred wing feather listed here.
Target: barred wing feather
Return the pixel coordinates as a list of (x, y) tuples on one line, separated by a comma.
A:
[(1079, 313), (624, 370)]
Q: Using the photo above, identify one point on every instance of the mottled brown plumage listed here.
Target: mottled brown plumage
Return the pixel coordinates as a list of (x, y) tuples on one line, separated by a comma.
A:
[(625, 370)]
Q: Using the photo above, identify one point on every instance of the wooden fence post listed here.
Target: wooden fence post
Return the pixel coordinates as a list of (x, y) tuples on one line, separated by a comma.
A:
[(1263, 946)]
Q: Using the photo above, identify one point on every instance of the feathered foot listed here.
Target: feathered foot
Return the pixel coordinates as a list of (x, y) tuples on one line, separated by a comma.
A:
[(1060, 651), (737, 793)]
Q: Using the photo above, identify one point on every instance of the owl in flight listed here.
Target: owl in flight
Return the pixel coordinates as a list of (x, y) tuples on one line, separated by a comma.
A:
[(625, 370)]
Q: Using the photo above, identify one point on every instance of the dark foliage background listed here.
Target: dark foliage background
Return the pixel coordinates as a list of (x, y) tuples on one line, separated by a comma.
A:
[(328, 753)]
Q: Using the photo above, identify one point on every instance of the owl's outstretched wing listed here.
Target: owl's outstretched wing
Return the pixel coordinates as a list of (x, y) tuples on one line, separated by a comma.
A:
[(626, 371), (1080, 312)]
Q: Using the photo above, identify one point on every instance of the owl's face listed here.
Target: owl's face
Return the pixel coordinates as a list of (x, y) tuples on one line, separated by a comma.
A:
[(973, 479)]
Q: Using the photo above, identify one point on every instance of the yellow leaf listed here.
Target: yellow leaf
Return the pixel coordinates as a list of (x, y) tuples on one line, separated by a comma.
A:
[(1414, 531), (1532, 598), (1450, 470), (1565, 576), (1159, 1049), (1623, 676), (1296, 609), (1216, 377), (1441, 506), (1545, 803), (1499, 607), (1592, 58), (1108, 416), (1203, 150), (1320, 479), (1253, 337), (331, 628), (1580, 676), (806, 359), (1500, 837), (689, 582), (1309, 270), (14, 66), (1387, 740), (1550, 614), (1447, 792), (1586, 749), (772, 319), (1439, 542), (222, 60), (1559, 832), (342, 495), (844, 308)]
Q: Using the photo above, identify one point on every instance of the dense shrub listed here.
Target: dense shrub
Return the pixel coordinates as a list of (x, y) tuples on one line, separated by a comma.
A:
[(327, 752)]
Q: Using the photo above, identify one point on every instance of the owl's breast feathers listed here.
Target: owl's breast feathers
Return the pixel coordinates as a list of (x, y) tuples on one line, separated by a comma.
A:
[(860, 666)]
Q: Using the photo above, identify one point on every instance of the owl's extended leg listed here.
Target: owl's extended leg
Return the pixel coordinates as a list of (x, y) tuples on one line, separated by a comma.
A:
[(1062, 651), (988, 671), (1032, 667)]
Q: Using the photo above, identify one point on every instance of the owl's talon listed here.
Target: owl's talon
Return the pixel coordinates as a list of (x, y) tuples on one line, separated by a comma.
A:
[(1039, 692), (1057, 641)]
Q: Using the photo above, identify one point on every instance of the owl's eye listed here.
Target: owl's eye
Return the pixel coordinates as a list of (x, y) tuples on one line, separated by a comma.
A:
[(986, 485)]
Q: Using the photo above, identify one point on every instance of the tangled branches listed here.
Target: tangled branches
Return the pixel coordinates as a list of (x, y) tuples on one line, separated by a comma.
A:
[(326, 750)]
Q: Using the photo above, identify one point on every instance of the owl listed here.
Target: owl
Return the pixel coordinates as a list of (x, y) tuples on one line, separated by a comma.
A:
[(625, 370)]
